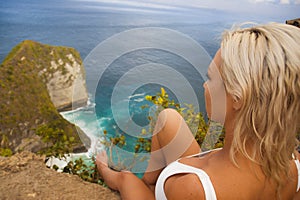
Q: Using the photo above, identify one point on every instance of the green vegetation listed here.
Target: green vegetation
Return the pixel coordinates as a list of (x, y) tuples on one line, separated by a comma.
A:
[(56, 137), (4, 150), (87, 173)]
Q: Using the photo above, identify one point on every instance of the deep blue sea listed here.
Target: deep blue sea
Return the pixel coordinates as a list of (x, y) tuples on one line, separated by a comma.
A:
[(117, 93)]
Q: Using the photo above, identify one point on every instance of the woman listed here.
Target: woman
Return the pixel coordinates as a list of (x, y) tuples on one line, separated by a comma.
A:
[(259, 70)]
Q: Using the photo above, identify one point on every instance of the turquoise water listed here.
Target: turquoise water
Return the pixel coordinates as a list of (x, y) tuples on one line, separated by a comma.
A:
[(120, 158)]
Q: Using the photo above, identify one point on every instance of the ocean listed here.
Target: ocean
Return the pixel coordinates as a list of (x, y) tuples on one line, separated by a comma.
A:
[(129, 51)]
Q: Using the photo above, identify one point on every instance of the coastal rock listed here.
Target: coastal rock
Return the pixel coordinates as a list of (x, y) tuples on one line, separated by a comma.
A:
[(294, 22), (36, 80)]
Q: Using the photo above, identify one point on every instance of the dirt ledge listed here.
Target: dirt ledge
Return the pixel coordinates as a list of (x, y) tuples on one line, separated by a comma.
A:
[(25, 176)]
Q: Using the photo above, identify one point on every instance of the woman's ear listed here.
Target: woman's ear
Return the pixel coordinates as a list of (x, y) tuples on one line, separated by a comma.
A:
[(237, 103)]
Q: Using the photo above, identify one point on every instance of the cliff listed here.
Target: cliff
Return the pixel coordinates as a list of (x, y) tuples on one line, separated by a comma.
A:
[(36, 81)]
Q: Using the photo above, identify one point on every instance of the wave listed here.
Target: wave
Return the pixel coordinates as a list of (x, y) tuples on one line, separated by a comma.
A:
[(137, 95), (63, 161)]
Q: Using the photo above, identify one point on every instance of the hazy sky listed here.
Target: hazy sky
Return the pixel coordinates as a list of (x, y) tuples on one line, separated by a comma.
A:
[(288, 9), (217, 4)]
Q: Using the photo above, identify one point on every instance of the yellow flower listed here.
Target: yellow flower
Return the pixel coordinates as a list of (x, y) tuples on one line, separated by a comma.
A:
[(163, 92), (144, 132), (148, 97), (160, 100)]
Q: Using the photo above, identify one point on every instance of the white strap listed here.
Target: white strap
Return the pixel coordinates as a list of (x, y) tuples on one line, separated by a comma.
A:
[(298, 169), (178, 168)]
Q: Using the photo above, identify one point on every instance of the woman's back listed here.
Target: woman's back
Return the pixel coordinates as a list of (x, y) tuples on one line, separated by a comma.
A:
[(230, 182)]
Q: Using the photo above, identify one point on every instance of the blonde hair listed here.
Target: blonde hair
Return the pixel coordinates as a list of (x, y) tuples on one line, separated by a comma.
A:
[(261, 68)]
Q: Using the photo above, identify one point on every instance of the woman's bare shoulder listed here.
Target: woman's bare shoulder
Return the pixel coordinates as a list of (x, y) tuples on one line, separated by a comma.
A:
[(184, 186)]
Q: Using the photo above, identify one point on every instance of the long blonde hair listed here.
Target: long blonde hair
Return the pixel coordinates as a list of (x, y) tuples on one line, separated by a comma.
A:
[(261, 68)]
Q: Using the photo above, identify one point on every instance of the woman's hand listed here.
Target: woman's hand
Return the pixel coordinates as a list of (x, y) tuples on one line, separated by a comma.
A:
[(101, 158), (101, 161)]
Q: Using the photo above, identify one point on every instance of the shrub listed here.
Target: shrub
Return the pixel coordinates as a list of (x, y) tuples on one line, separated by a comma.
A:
[(5, 152), (193, 119), (57, 141)]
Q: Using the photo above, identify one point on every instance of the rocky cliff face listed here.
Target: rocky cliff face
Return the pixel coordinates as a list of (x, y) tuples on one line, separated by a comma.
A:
[(63, 71), (35, 81)]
